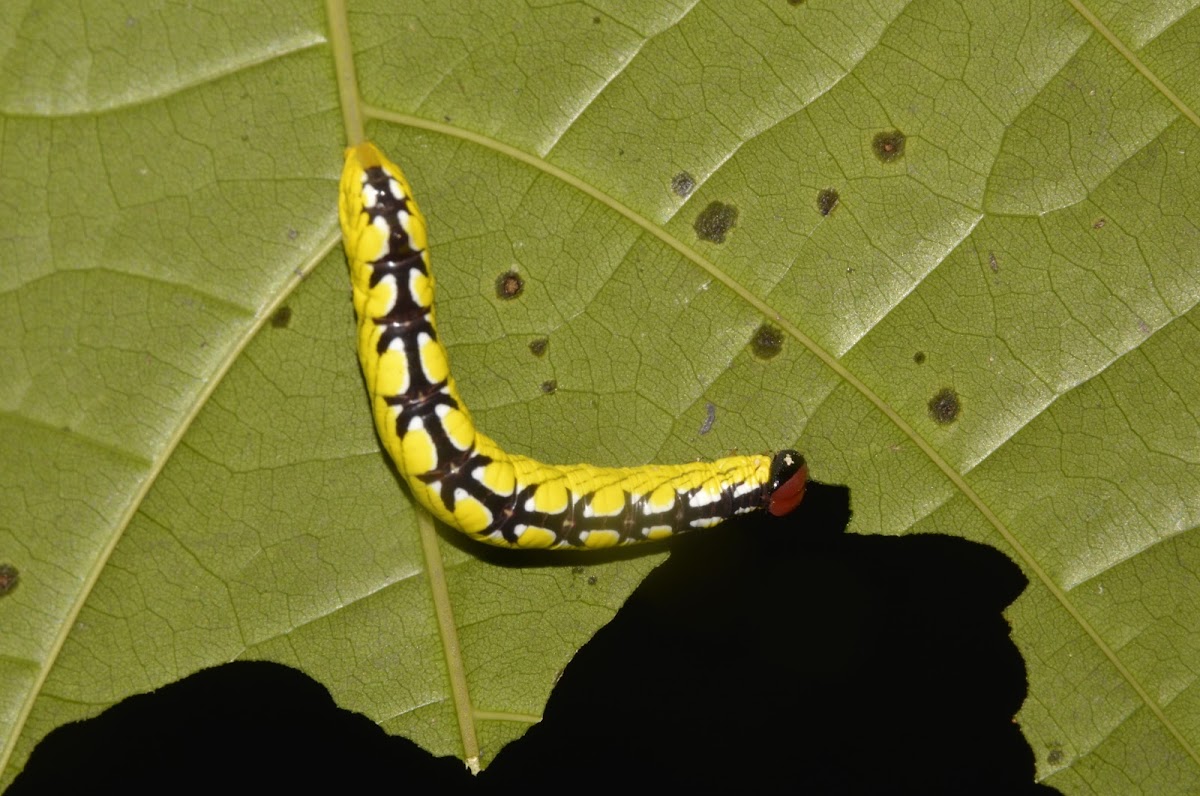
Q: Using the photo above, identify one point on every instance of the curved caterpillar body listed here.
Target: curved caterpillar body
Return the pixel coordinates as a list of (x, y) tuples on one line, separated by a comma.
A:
[(461, 475)]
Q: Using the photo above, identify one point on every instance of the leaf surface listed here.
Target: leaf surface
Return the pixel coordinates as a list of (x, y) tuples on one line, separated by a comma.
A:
[(992, 334)]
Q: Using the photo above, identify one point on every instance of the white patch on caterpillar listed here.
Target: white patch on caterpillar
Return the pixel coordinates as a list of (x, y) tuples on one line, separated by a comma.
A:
[(745, 510), (394, 187), (703, 498), (743, 488), (369, 194), (706, 522)]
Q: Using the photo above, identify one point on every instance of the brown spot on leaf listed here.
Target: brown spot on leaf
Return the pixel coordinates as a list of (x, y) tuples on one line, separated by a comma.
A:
[(827, 199), (888, 145), (683, 184), (767, 341), (944, 406), (714, 222), (509, 285), (10, 576)]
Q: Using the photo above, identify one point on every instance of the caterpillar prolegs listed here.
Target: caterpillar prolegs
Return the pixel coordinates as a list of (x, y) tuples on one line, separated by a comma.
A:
[(462, 476)]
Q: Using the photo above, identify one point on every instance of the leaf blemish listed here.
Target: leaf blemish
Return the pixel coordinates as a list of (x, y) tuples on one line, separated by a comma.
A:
[(767, 341), (919, 357), (509, 285), (282, 317), (714, 222), (888, 145), (827, 200), (550, 386), (10, 576), (538, 347), (683, 184), (944, 406)]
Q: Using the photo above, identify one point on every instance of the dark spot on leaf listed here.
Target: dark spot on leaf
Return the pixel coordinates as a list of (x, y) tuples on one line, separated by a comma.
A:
[(578, 570), (944, 406), (715, 221), (538, 347), (282, 317), (710, 418), (293, 234), (1099, 223), (796, 2), (919, 357), (827, 199), (9, 578), (767, 341), (591, 580), (550, 387), (683, 184), (993, 263), (595, 20), (1055, 756), (509, 285), (888, 145)]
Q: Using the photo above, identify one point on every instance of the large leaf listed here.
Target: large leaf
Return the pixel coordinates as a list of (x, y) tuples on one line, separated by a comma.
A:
[(189, 473)]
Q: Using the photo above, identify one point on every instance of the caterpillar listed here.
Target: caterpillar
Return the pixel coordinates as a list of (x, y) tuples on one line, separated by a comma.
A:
[(462, 476)]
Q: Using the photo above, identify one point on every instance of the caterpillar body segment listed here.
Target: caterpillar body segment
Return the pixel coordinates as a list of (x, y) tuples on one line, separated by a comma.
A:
[(462, 476)]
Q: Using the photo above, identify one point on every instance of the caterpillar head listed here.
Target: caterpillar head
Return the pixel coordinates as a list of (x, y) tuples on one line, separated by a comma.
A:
[(789, 475)]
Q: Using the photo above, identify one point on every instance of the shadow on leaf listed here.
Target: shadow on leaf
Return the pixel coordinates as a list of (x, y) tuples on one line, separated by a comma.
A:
[(767, 655)]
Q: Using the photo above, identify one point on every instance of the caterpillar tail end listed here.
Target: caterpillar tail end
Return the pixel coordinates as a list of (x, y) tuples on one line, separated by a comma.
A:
[(789, 477), (366, 153)]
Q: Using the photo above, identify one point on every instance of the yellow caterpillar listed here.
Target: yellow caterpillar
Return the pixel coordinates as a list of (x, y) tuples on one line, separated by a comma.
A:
[(462, 476)]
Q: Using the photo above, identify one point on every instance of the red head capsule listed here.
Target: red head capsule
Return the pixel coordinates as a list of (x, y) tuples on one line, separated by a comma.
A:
[(789, 476)]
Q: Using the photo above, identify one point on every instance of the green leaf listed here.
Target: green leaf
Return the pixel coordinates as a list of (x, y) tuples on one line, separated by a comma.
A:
[(993, 333)]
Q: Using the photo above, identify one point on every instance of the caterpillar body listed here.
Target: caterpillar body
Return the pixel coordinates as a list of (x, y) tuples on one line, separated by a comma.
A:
[(462, 476)]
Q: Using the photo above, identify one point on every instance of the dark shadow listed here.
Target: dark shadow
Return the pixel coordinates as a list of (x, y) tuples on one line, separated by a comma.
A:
[(766, 655), (790, 656), (245, 727)]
